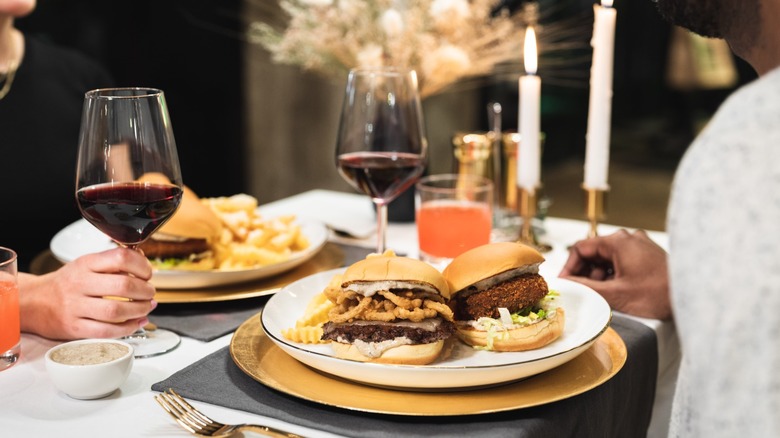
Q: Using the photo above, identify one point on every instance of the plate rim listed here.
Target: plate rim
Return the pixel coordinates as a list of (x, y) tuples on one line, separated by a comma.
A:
[(249, 339)]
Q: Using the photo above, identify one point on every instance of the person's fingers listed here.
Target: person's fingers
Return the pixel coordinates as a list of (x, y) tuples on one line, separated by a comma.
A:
[(599, 273), (88, 328), (574, 265), (110, 309), (586, 254), (613, 291), (118, 260), (114, 310), (121, 286)]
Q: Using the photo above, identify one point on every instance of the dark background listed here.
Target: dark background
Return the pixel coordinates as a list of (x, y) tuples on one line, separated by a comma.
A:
[(189, 49), (193, 51)]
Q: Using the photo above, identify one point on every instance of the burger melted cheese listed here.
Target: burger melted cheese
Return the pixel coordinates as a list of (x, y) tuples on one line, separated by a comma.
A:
[(389, 310), (500, 301)]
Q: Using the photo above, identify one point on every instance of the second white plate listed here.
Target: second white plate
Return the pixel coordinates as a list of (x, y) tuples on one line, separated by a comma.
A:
[(81, 238)]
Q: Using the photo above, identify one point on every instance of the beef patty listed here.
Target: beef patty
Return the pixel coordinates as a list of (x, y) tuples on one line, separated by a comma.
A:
[(369, 331)]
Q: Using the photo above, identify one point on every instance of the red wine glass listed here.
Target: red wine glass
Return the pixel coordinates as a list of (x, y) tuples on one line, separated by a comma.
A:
[(381, 148), (128, 179)]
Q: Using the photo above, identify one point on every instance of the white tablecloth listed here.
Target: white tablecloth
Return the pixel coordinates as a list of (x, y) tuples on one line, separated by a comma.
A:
[(31, 406)]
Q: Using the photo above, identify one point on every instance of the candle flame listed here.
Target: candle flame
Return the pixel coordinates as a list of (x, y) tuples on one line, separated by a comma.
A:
[(606, 3), (529, 51)]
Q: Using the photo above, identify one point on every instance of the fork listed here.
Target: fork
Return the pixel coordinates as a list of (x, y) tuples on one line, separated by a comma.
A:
[(199, 424)]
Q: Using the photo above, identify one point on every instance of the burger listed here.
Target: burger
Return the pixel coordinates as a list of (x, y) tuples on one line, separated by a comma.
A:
[(500, 301), (185, 241), (390, 309)]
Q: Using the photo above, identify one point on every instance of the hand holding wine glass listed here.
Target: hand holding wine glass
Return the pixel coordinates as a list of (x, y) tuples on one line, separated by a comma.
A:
[(128, 179), (381, 146)]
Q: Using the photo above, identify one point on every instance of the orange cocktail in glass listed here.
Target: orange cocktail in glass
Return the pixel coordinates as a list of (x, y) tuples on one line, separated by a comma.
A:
[(454, 213), (9, 315), (9, 310), (448, 228)]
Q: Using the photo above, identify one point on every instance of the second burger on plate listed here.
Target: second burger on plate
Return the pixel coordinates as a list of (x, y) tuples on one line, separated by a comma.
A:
[(501, 302)]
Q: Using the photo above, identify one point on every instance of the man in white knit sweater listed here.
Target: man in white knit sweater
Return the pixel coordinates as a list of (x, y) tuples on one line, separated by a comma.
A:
[(721, 279)]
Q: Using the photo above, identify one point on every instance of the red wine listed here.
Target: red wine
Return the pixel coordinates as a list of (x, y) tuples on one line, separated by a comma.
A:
[(128, 212), (382, 175)]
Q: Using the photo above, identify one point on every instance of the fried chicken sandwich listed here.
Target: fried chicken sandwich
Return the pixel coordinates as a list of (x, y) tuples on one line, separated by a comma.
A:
[(389, 309), (500, 301)]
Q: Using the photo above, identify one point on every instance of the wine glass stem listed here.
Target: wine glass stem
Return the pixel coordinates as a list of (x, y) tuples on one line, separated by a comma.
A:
[(381, 226), (140, 333)]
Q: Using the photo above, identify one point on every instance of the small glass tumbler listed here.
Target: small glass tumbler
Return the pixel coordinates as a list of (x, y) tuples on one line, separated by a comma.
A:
[(10, 334), (454, 213)]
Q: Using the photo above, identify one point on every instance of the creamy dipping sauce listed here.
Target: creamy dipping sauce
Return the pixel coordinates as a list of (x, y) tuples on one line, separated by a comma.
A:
[(89, 354)]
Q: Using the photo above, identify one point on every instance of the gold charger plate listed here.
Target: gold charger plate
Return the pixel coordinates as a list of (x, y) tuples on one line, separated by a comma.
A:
[(257, 356), (329, 257)]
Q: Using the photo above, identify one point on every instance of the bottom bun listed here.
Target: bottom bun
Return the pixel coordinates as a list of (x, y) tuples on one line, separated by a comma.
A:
[(530, 337), (417, 354)]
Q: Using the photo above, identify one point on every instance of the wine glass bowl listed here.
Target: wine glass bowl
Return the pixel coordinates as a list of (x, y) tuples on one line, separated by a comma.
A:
[(128, 212), (381, 148), (128, 177)]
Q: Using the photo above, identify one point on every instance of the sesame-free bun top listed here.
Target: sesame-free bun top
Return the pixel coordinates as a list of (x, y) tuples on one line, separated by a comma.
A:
[(193, 219), (488, 260), (380, 268)]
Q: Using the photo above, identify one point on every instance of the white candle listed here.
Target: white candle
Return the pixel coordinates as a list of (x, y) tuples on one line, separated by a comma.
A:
[(600, 108), (529, 155)]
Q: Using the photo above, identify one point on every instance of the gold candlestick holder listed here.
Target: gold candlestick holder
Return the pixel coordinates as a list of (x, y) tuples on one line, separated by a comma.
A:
[(595, 205), (527, 206)]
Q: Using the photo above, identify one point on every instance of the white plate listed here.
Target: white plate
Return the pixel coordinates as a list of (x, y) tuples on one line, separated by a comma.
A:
[(587, 317), (80, 238)]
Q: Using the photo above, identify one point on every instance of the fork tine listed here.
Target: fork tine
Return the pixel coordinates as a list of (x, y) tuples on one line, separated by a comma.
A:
[(189, 408), (182, 413), (172, 410)]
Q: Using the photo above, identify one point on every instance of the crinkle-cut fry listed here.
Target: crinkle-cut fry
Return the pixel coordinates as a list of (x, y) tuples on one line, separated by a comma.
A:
[(333, 289), (315, 302), (317, 316), (306, 335)]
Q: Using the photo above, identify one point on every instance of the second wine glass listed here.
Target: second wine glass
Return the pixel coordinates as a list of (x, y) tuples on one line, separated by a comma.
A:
[(381, 147), (128, 179)]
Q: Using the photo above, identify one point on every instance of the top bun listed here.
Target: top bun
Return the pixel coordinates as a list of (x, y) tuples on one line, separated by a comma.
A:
[(392, 268), (193, 219), (488, 260)]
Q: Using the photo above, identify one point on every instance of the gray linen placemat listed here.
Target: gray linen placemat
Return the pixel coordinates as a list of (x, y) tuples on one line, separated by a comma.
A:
[(206, 321), (621, 407), (209, 321)]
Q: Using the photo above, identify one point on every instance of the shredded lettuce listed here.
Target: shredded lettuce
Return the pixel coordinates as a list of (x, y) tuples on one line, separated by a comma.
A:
[(497, 329), (169, 263)]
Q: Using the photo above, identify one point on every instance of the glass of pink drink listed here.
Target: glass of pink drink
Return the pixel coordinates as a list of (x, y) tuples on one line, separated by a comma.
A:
[(10, 339), (453, 214)]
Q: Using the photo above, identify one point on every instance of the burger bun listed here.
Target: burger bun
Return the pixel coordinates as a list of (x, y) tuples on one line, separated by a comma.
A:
[(529, 337), (193, 219), (417, 354), (380, 268), (488, 260)]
